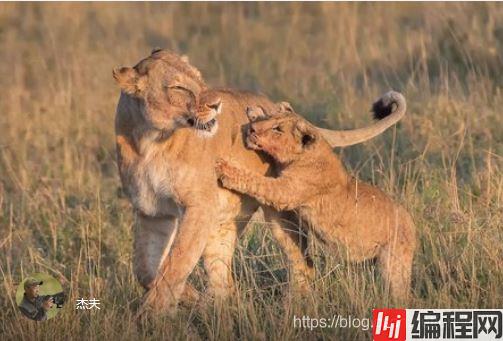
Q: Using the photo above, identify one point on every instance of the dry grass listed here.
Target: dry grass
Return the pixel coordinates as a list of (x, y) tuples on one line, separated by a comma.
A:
[(59, 207)]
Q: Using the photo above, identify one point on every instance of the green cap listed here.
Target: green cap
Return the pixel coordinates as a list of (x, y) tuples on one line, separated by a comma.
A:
[(31, 282)]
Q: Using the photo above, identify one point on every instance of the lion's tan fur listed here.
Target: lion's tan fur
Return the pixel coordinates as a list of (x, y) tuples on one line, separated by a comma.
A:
[(338, 208), (167, 170)]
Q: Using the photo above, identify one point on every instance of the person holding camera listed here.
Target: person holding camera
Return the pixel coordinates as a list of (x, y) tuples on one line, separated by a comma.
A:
[(33, 305)]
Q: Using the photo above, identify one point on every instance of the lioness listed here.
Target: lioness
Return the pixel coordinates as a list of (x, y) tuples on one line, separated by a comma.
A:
[(166, 155), (336, 207)]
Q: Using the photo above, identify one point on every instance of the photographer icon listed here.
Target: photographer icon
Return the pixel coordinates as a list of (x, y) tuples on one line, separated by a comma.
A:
[(41, 298)]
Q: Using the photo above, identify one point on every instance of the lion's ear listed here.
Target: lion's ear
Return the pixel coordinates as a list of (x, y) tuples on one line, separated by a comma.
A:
[(307, 140), (284, 107), (306, 134), (129, 80), (254, 113)]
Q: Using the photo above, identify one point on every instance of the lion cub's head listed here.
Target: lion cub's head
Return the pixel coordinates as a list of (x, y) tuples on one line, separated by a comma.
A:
[(164, 87), (282, 134)]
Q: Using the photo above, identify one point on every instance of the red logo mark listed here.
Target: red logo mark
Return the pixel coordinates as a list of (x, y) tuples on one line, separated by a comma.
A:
[(389, 324)]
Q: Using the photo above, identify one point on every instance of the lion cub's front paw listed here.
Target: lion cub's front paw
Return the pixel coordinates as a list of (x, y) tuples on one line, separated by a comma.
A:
[(227, 173)]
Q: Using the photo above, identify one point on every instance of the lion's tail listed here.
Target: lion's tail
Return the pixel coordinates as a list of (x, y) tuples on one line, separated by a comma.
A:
[(389, 109)]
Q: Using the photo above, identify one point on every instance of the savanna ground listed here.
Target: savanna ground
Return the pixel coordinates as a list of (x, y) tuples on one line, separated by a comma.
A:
[(61, 209)]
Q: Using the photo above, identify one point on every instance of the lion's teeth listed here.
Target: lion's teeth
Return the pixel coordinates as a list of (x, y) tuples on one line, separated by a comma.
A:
[(206, 126)]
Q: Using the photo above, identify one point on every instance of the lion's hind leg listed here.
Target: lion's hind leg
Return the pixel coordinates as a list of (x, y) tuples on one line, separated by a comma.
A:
[(395, 260)]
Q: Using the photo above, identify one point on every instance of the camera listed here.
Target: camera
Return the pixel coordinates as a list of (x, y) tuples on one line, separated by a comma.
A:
[(58, 299)]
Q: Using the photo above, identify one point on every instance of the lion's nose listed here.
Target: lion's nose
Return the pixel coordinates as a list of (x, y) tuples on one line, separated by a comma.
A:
[(251, 130)]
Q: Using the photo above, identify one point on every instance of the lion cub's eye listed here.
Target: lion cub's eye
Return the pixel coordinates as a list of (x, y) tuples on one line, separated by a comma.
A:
[(277, 129)]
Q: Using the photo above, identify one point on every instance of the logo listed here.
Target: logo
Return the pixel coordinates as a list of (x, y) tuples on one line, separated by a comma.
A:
[(389, 324), (40, 297)]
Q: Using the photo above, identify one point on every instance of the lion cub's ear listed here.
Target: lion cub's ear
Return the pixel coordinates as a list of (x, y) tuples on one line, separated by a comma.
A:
[(284, 108), (305, 133), (255, 113), (129, 80)]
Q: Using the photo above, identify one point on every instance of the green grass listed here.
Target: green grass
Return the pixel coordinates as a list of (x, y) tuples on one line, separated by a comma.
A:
[(60, 208)]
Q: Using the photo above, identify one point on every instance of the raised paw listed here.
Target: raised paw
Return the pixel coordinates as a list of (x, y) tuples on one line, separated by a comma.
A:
[(227, 173)]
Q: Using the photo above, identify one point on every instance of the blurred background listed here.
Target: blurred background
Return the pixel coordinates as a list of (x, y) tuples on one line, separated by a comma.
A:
[(61, 208)]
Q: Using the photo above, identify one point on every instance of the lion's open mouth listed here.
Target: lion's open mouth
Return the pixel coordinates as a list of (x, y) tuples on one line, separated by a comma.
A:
[(207, 128), (252, 142)]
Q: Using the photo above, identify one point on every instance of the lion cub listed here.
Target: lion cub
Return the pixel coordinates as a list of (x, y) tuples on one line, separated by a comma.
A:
[(337, 208)]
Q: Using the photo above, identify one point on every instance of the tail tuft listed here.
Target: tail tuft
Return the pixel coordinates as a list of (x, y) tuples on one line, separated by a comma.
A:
[(387, 104)]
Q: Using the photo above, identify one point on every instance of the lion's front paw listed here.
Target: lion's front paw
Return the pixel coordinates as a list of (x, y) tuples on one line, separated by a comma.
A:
[(227, 173), (157, 302)]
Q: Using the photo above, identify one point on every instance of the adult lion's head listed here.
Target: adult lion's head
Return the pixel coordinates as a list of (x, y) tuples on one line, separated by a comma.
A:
[(165, 86)]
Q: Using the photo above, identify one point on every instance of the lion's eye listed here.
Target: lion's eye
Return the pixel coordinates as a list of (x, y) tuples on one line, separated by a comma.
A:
[(180, 96), (277, 129), (178, 87)]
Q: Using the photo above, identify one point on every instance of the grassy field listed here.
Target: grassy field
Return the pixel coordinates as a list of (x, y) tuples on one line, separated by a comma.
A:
[(61, 211)]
